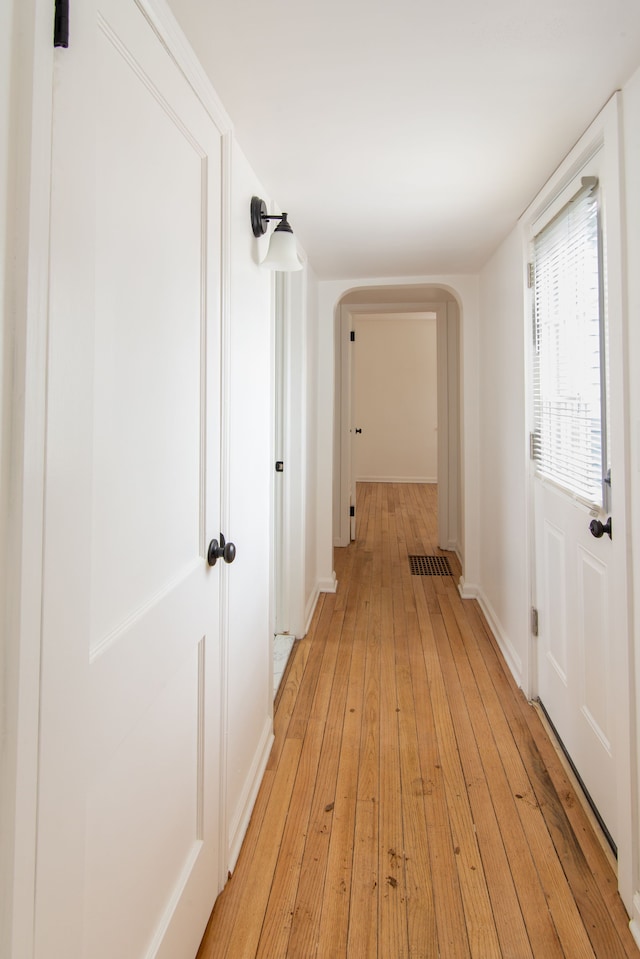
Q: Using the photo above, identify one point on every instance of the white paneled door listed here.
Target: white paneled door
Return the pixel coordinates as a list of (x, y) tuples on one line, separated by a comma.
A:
[(128, 819), (576, 612), (578, 485)]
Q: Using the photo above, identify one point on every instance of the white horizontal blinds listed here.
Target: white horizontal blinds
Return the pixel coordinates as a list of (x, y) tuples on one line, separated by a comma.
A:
[(568, 438)]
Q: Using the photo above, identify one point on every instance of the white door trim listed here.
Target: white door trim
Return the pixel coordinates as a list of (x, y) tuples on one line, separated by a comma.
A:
[(290, 612), (281, 582), (605, 134), (225, 483), (448, 426), (31, 188), (295, 449)]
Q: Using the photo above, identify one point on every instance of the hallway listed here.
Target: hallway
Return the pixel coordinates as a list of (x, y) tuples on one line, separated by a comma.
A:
[(413, 805)]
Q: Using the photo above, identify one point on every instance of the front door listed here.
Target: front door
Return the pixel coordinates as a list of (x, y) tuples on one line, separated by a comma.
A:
[(128, 818), (578, 485)]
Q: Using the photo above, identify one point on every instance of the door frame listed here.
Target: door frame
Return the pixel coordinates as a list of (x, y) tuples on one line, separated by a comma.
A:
[(290, 613), (448, 340), (30, 189), (281, 583), (30, 183), (603, 134)]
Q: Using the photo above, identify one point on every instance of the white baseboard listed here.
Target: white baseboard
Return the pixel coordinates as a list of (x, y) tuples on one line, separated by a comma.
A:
[(513, 660), (240, 819), (396, 479), (329, 585), (310, 608), (634, 925), (467, 590), (452, 547)]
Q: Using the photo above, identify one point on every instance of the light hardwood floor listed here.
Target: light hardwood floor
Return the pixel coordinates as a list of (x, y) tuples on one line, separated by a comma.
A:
[(413, 805)]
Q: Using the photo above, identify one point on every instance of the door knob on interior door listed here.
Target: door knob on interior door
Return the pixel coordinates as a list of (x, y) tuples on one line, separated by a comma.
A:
[(221, 550), (358, 430), (598, 529)]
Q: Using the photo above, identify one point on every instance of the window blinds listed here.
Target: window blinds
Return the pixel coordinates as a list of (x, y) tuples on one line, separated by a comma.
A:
[(568, 441)]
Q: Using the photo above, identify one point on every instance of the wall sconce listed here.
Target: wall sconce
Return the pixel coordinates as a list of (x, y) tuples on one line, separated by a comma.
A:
[(282, 253)]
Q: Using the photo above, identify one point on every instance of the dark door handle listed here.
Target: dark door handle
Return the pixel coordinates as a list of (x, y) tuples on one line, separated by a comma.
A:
[(598, 529), (358, 430), (221, 550)]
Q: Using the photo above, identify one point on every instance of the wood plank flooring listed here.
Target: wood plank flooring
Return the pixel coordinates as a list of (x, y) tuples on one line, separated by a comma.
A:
[(413, 805)]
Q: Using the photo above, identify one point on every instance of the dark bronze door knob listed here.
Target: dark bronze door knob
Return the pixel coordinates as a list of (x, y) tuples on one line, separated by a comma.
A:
[(598, 529), (221, 550)]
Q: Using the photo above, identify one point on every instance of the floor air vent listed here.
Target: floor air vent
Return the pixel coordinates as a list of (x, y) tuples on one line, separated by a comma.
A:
[(429, 566)]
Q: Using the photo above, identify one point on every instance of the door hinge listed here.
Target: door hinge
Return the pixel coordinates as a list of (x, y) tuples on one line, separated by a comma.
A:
[(534, 621), (279, 466), (531, 275), (61, 24), (352, 511), (352, 336)]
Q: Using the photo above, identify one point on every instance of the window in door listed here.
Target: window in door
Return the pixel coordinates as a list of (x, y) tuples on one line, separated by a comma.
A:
[(569, 440)]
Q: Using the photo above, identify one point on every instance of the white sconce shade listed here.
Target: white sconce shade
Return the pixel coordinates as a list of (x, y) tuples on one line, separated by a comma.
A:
[(282, 253)]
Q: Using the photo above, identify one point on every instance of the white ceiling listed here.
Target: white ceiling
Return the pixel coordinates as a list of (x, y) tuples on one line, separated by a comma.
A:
[(405, 137)]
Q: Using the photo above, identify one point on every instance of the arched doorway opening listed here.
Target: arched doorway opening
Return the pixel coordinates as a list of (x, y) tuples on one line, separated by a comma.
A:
[(401, 302)]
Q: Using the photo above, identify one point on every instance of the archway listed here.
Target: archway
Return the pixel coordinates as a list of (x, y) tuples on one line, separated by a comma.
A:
[(402, 301)]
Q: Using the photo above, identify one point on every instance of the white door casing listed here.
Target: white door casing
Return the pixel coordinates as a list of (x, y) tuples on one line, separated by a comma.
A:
[(291, 613), (579, 586), (281, 581), (128, 806)]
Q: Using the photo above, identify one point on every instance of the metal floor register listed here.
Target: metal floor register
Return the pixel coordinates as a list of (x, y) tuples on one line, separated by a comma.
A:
[(429, 566)]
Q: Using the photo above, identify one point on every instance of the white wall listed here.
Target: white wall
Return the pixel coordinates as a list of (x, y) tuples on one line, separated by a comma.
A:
[(395, 398), (452, 518), (502, 476), (631, 128), (503, 469)]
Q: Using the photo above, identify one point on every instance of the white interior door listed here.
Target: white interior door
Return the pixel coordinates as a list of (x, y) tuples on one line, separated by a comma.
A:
[(128, 819), (580, 579)]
